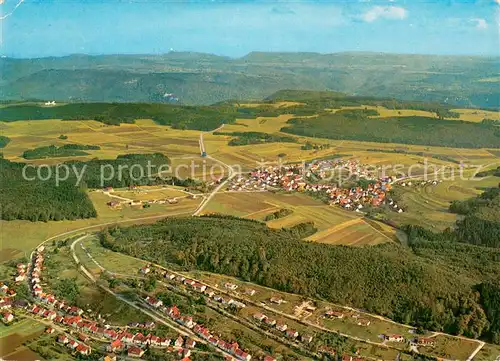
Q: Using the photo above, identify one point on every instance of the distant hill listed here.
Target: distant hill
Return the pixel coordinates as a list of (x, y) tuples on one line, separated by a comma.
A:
[(196, 78)]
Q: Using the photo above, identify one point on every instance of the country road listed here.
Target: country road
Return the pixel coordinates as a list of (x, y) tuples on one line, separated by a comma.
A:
[(231, 174)]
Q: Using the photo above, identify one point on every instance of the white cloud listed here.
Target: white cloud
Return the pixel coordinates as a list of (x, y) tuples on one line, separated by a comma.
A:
[(385, 12), (480, 23)]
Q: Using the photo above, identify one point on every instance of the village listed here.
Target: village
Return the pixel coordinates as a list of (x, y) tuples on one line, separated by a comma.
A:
[(316, 177), (77, 330), (345, 183)]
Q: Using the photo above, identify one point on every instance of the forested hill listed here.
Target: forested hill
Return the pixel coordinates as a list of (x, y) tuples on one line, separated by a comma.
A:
[(194, 78), (435, 290)]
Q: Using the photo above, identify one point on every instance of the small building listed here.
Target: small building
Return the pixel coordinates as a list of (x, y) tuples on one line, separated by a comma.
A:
[(114, 204), (190, 343), (114, 346), (394, 338), (230, 286), (179, 342), (134, 351), (277, 300), (269, 321), (259, 316), (109, 357), (306, 338), (250, 292), (334, 314), (83, 349), (280, 326), (7, 317), (63, 339), (426, 341)]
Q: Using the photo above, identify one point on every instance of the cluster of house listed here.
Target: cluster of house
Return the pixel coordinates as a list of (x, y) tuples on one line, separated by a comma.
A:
[(119, 338), (240, 184), (280, 326), (419, 183), (200, 288), (6, 302), (294, 178), (20, 273), (78, 347), (203, 332), (136, 343), (360, 321), (420, 341), (74, 319), (36, 271)]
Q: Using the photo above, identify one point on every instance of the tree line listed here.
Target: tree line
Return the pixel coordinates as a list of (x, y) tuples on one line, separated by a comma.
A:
[(53, 151), (246, 138)]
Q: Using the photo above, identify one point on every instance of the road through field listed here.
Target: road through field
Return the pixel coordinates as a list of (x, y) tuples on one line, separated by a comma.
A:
[(232, 174)]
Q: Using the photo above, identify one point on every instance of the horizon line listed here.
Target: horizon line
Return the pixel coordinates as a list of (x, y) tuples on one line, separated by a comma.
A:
[(357, 52)]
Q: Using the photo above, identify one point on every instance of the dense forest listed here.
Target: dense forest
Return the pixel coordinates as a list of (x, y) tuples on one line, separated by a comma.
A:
[(427, 285), (246, 138), (354, 125), (52, 151), (38, 200), (181, 117), (42, 198)]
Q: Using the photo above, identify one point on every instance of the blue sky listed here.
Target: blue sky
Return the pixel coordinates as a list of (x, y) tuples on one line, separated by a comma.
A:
[(35, 28)]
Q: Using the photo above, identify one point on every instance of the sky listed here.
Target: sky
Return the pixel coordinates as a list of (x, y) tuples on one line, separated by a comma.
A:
[(40, 28)]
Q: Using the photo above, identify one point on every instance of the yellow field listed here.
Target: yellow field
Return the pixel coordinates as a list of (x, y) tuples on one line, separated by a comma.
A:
[(429, 204), (260, 124), (469, 115), (330, 221), (476, 115), (144, 136), (355, 232)]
